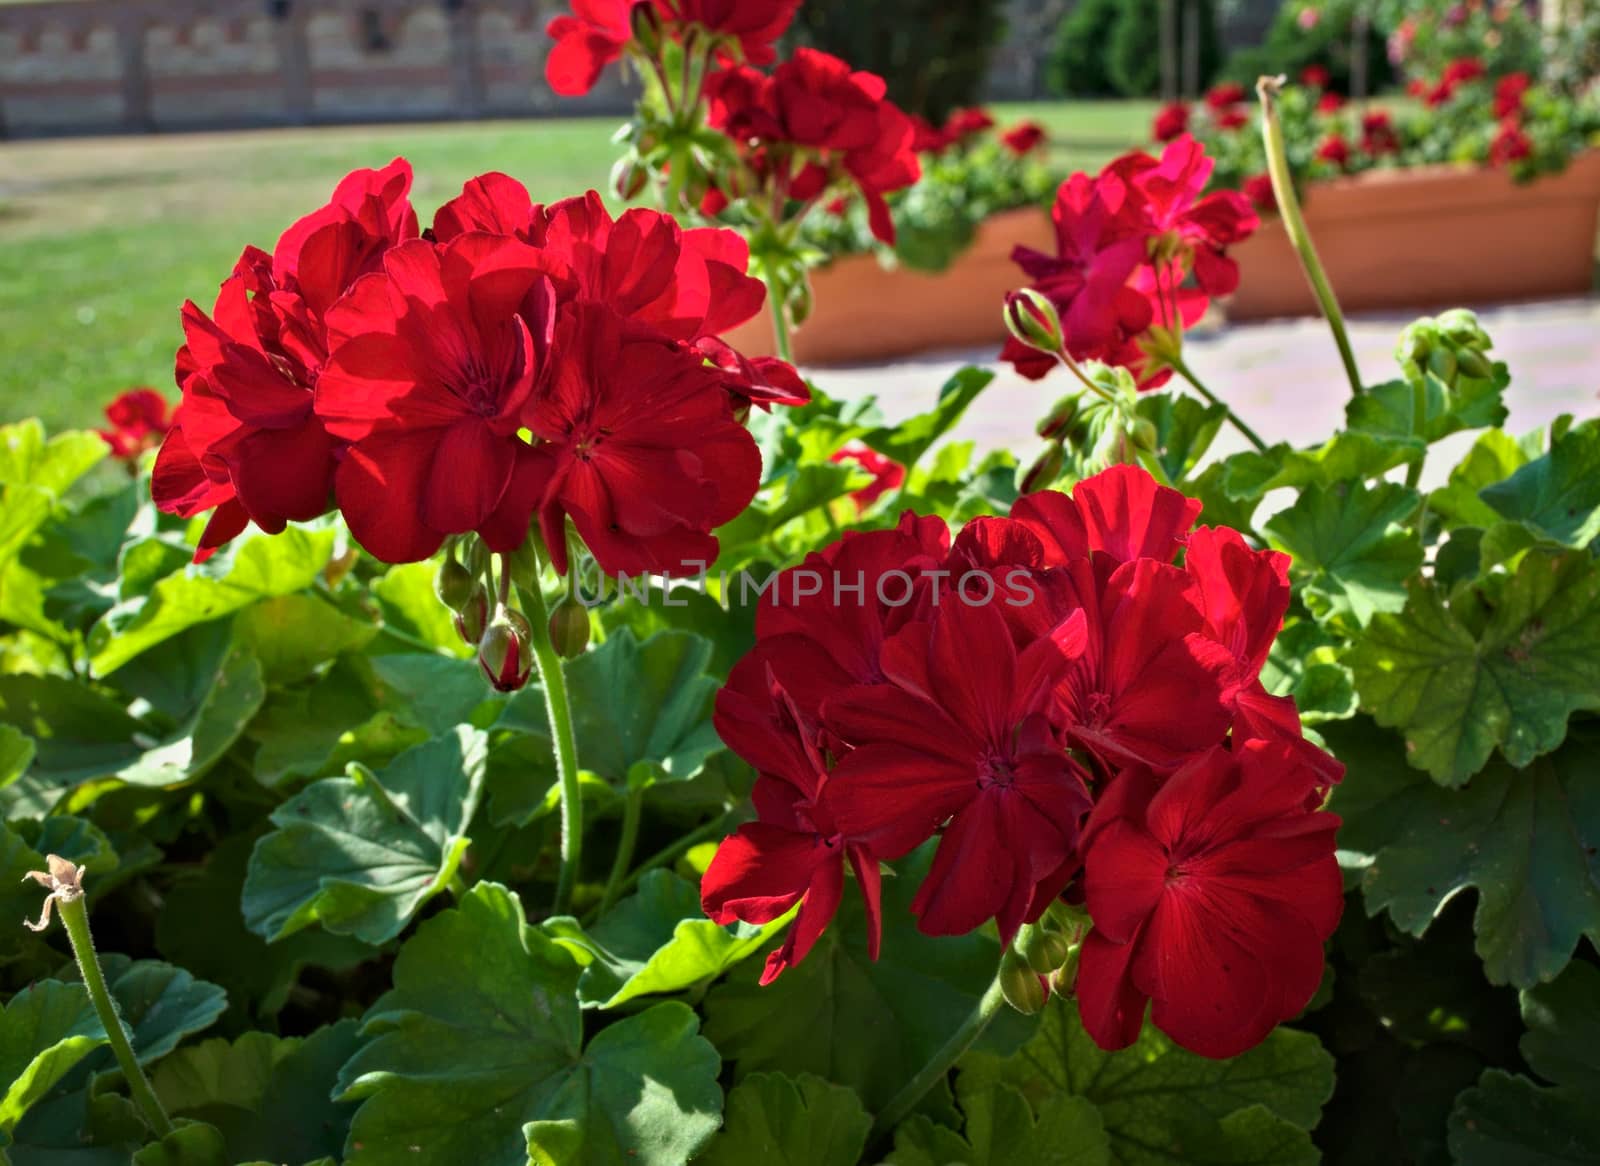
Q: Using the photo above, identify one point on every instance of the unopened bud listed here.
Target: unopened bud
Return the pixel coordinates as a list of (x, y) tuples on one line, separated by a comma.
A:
[(1143, 434), (1461, 328), (473, 615), (1020, 984), (1442, 363), (506, 651), (1046, 951), (523, 563), (646, 24), (452, 583), (1064, 979), (801, 301), (1033, 320), (1056, 422), (1475, 364), (628, 178), (569, 628), (1043, 473)]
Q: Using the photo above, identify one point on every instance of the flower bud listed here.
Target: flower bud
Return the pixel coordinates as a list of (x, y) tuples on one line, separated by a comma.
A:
[(1033, 320), (1460, 328), (473, 615), (1442, 363), (646, 25), (1143, 434), (1475, 364), (1056, 422), (569, 628), (1044, 471), (801, 301), (506, 651), (452, 583), (1064, 979), (628, 178), (1021, 986), (1046, 951)]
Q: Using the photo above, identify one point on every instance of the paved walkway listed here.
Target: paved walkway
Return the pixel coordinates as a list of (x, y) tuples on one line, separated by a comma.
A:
[(1283, 377)]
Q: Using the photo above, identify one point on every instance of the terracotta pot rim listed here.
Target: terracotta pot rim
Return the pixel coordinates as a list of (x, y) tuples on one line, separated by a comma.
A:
[(1445, 172)]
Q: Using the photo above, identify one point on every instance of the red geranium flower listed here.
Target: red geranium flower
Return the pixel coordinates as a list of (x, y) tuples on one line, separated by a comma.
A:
[(1334, 150), (1378, 135), (1234, 117), (1329, 104), (1258, 189), (1315, 76), (755, 25), (928, 138), (1212, 891), (1121, 512), (440, 356), (967, 123), (648, 458), (1171, 121), (586, 42), (960, 735), (1226, 93), (1023, 138), (887, 474), (1510, 144), (138, 419), (1508, 94)]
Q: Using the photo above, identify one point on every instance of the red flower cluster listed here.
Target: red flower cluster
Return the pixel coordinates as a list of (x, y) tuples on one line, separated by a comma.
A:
[(1067, 712), (1378, 136), (1315, 77), (1024, 138), (1333, 150), (887, 474), (398, 376), (1258, 189), (1457, 73), (1226, 104), (1329, 104), (1508, 95), (965, 126), (598, 33), (1172, 121), (1510, 144), (138, 420), (812, 123), (1127, 241)]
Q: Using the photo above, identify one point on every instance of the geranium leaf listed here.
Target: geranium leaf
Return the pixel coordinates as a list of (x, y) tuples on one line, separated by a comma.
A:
[(159, 1004), (1494, 457), (655, 941), (232, 695), (435, 692), (1185, 429), (1351, 554), (292, 634), (804, 489), (866, 1024), (1001, 1129), (482, 1060), (789, 1121), (913, 437), (1557, 496), (269, 1098), (1562, 1043), (1352, 456), (1390, 409), (1511, 1121), (249, 569), (405, 596), (194, 1144), (360, 854), (46, 1029), (16, 753), (1458, 682), (1161, 1104), (1526, 839)]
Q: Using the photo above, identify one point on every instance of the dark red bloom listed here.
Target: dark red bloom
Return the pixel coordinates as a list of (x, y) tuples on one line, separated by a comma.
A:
[(1508, 94), (586, 42), (1457, 73), (1232, 117), (1121, 512), (1258, 189), (928, 138), (440, 357), (1212, 891), (496, 203), (960, 735), (1510, 144), (1378, 135), (505, 652), (963, 124), (1315, 76), (1171, 121), (647, 457), (138, 420), (887, 474), (755, 25), (1329, 104), (1226, 93), (1024, 138), (1334, 150)]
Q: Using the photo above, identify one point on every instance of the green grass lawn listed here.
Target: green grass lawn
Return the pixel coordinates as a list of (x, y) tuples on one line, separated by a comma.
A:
[(101, 240)]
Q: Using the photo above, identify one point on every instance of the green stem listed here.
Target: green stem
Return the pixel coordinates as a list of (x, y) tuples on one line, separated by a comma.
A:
[(780, 325), (559, 710), (75, 917), (457, 886), (1294, 224), (901, 1104), (666, 854), (1419, 422), (632, 810), (1250, 435)]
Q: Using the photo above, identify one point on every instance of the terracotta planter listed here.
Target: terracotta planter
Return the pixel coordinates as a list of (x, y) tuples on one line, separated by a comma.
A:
[(864, 312), (1427, 237)]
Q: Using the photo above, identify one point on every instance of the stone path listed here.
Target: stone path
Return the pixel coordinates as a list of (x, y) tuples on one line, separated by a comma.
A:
[(1283, 377)]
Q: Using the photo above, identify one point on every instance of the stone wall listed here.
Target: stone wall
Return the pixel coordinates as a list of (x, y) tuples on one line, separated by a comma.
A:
[(108, 65)]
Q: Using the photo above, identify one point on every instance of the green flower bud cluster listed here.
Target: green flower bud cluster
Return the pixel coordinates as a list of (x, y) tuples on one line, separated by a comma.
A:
[(1448, 346)]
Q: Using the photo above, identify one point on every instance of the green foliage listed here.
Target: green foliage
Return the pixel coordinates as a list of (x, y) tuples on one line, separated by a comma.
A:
[(1290, 47), (45, 1031), (1133, 51), (790, 1121), (1078, 65)]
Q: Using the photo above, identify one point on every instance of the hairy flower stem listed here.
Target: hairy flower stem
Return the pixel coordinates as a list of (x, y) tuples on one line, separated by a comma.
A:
[(902, 1103), (632, 810), (1250, 435), (75, 917), (559, 710), (1294, 223), (780, 326), (1419, 422)]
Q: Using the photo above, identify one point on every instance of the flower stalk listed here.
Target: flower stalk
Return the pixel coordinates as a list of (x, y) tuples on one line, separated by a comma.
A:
[(1249, 434), (632, 811), (65, 882), (559, 709), (1294, 224)]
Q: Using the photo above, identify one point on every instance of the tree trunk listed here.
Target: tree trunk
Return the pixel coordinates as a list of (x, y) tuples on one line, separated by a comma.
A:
[(1169, 50)]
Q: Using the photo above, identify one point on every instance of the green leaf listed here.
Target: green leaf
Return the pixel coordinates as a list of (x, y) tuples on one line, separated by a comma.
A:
[(34, 474), (196, 1144), (1185, 429), (1352, 556), (1562, 1043), (869, 1025), (1510, 1121), (159, 1005), (1494, 457), (231, 697), (1526, 839), (654, 942), (641, 714), (405, 596), (1345, 457), (268, 1097), (247, 570), (1161, 1104), (804, 490), (78, 733), (913, 437), (1504, 665), (435, 692), (16, 753), (787, 1121), (44, 1032), (482, 1059), (1557, 496), (361, 854), (1390, 409), (1001, 1130), (292, 634)]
